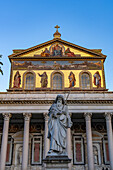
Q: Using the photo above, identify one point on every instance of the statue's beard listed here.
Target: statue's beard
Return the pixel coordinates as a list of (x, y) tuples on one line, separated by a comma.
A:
[(59, 106)]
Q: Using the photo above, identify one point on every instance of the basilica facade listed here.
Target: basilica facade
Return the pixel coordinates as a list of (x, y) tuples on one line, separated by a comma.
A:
[(38, 75)]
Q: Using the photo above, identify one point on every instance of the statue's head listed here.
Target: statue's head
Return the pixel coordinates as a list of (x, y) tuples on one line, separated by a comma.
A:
[(59, 98), (20, 148)]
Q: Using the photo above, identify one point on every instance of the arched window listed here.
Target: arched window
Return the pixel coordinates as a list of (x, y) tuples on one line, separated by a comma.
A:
[(29, 81), (85, 81), (57, 81)]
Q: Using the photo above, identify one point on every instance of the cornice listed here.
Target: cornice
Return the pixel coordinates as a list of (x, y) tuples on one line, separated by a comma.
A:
[(35, 102), (57, 57)]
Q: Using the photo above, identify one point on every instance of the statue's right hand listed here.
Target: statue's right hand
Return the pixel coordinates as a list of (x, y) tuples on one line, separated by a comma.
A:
[(54, 115)]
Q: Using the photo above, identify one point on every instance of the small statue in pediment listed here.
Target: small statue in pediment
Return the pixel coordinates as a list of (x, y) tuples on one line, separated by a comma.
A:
[(45, 53), (97, 79), (17, 80), (69, 53), (72, 80), (44, 80)]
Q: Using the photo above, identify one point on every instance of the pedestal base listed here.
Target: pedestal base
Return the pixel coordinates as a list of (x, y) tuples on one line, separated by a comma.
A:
[(56, 162)]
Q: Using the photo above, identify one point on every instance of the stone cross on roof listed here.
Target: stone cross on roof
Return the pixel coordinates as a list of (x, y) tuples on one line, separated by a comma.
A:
[(57, 34), (57, 27)]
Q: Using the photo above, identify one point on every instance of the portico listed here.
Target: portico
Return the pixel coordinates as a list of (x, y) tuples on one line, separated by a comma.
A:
[(92, 114)]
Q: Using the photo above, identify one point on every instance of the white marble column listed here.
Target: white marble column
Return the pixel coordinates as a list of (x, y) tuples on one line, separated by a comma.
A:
[(89, 141), (4, 140), (69, 145), (110, 137), (26, 141), (46, 140)]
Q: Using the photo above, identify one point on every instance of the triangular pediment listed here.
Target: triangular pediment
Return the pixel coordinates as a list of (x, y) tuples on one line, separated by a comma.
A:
[(57, 48)]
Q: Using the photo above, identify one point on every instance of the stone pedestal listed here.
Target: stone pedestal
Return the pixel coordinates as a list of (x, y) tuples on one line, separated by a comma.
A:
[(56, 162)]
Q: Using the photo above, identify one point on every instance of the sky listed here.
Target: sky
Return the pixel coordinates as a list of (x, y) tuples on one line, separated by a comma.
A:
[(26, 23)]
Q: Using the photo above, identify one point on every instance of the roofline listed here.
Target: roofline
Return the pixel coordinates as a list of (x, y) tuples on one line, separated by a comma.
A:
[(55, 40)]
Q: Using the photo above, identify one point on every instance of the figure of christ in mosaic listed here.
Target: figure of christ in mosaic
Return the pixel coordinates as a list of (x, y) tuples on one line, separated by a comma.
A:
[(59, 121), (72, 80), (17, 80), (97, 79), (57, 50), (44, 80)]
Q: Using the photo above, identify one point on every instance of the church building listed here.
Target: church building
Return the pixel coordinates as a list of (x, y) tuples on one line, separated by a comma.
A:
[(38, 74)]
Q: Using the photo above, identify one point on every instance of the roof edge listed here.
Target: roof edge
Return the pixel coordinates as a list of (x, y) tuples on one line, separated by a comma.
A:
[(92, 51)]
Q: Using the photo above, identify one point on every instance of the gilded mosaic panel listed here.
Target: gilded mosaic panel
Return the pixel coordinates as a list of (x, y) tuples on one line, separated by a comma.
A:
[(58, 65)]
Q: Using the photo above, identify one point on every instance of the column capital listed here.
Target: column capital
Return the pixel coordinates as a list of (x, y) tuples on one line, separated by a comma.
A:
[(70, 114), (27, 116), (87, 116), (108, 115), (6, 116), (46, 117)]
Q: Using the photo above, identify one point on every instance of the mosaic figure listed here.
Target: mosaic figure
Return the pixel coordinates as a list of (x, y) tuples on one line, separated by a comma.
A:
[(97, 79), (72, 80), (45, 53), (44, 80), (59, 121), (69, 53), (57, 50), (17, 80)]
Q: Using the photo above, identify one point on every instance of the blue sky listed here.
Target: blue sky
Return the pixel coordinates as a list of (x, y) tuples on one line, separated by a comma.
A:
[(26, 23)]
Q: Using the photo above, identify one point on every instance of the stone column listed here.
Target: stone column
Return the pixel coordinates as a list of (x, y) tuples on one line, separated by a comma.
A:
[(26, 141), (4, 140), (69, 146), (89, 141), (69, 143), (110, 137), (46, 140)]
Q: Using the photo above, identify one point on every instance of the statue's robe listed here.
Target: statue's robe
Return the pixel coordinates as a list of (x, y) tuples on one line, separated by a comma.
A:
[(59, 121)]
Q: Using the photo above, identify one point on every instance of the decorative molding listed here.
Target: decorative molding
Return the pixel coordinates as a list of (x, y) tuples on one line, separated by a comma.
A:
[(51, 102), (33, 128), (6, 116), (87, 116)]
